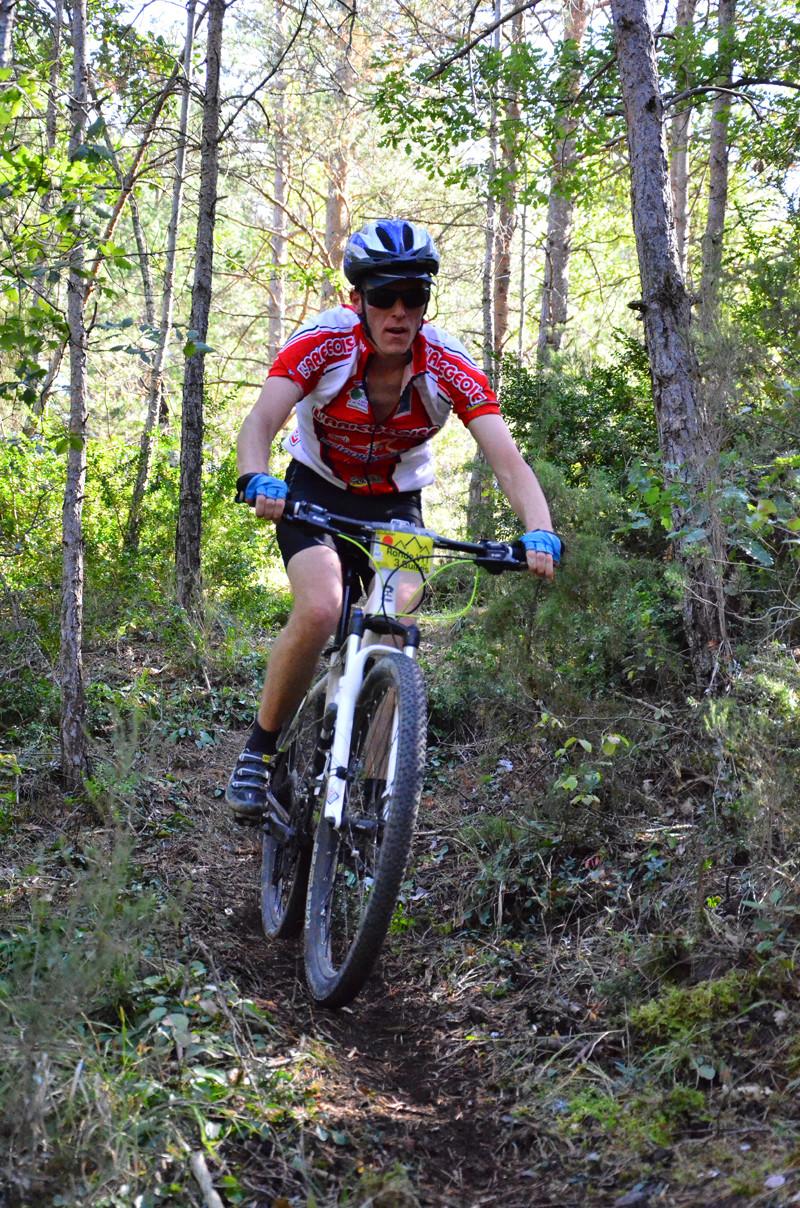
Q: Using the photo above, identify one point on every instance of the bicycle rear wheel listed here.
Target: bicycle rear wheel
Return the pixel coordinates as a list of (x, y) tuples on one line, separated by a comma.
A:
[(287, 843), (357, 871)]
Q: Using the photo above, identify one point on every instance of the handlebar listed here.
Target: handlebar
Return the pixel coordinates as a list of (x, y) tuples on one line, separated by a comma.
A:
[(493, 556)]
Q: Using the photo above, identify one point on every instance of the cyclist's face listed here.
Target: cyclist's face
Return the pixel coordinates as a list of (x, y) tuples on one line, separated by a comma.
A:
[(393, 328)]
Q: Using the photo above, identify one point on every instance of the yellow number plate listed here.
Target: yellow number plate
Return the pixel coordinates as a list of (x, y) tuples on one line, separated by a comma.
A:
[(402, 551)]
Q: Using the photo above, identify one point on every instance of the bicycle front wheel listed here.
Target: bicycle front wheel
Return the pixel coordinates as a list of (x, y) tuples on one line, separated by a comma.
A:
[(286, 845), (357, 870)]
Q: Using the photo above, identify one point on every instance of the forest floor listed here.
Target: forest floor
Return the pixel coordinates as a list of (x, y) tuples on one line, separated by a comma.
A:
[(594, 1061), (459, 1076)]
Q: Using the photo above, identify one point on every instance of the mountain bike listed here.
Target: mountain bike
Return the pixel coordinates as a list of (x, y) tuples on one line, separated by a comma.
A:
[(348, 775)]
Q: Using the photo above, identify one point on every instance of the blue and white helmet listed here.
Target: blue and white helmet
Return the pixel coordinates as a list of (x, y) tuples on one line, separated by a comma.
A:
[(388, 250)]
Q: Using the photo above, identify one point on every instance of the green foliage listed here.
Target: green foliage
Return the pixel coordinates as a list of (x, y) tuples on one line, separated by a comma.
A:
[(585, 421), (434, 121), (122, 1050), (176, 712), (38, 237), (585, 780), (27, 690), (533, 874), (467, 683), (611, 617), (79, 958), (381, 1188)]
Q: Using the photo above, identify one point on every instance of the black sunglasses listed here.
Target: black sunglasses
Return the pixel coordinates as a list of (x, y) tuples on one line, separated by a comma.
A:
[(383, 297)]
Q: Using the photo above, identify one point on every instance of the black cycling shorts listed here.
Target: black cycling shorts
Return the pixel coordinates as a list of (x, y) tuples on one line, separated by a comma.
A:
[(304, 484)]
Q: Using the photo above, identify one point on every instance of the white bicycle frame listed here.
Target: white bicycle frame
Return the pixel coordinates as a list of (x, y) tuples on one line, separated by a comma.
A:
[(342, 683), (408, 545)]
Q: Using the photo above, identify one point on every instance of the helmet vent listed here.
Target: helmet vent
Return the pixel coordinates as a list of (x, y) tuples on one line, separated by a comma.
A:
[(385, 238), (408, 237)]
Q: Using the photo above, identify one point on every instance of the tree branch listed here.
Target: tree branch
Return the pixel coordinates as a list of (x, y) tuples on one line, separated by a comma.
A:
[(702, 89), (745, 81), (488, 29), (273, 70)]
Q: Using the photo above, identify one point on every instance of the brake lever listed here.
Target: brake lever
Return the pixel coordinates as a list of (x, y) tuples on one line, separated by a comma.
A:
[(500, 556)]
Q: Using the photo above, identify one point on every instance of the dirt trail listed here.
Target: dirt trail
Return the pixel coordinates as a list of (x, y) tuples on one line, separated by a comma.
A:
[(425, 1073), (402, 1080)]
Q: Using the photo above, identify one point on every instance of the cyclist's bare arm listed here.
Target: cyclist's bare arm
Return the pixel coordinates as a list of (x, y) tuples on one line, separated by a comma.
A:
[(517, 481), (274, 405)]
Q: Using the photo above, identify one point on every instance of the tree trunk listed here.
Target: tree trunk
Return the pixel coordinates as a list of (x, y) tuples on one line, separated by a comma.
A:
[(156, 391), (280, 191), (506, 215), (7, 14), (479, 474), (666, 311), (717, 168), (73, 702), (187, 537), (679, 149), (558, 245), (522, 262), (336, 210), (487, 298), (336, 221), (51, 119)]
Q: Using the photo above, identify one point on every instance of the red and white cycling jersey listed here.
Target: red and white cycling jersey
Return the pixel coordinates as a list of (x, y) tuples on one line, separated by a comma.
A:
[(337, 434)]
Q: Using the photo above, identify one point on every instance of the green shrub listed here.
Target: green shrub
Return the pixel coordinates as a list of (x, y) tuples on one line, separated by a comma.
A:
[(583, 419)]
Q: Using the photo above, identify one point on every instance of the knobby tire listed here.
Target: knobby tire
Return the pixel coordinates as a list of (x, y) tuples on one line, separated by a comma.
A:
[(357, 871), (285, 865)]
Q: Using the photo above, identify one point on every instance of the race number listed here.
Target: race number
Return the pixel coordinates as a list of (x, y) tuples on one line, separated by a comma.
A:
[(402, 551)]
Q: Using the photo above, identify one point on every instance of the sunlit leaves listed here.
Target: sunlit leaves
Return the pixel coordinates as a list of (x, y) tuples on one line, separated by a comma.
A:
[(47, 205)]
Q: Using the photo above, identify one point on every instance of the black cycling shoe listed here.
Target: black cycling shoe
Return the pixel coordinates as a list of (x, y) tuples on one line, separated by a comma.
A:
[(246, 793)]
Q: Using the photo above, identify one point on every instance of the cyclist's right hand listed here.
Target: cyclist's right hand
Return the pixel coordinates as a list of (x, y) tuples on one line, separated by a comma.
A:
[(263, 492)]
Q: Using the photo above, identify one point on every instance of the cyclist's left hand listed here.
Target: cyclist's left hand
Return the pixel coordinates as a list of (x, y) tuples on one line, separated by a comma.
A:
[(543, 552)]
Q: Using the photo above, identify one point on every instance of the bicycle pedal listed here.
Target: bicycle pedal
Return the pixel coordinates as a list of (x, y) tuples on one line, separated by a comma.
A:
[(248, 819), (363, 826), (278, 830)]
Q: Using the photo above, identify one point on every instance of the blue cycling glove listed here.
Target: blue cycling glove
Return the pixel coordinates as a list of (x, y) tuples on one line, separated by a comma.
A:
[(261, 484), (543, 542)]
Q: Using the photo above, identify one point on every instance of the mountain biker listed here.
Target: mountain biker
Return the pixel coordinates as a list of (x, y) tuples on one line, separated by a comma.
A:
[(371, 384)]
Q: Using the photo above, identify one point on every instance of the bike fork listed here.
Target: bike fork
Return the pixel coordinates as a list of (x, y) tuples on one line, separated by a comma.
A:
[(356, 657)]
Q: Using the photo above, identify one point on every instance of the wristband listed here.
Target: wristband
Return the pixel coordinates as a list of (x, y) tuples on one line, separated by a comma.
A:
[(543, 542)]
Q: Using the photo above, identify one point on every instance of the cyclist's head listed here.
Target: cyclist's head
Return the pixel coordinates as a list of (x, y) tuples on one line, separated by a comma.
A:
[(389, 250), (385, 258)]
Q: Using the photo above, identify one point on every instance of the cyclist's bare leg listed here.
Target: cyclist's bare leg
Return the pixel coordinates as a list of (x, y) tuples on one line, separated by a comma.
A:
[(315, 575), (376, 751), (408, 602)]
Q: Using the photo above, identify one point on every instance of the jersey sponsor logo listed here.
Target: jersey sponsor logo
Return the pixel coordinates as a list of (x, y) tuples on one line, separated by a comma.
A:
[(380, 448), (352, 454), (335, 346), (358, 400), (464, 381), (371, 480), (333, 423)]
